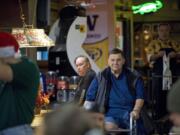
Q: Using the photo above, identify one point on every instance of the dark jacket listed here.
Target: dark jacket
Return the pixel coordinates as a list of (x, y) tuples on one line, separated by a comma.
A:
[(84, 83), (104, 85)]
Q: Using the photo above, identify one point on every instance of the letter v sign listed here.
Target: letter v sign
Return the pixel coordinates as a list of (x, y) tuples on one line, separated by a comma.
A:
[(91, 21)]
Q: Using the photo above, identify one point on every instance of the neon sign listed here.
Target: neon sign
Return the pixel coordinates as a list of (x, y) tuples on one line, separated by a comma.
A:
[(147, 7)]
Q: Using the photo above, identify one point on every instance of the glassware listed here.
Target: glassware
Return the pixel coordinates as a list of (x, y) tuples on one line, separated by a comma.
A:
[(62, 83), (73, 83)]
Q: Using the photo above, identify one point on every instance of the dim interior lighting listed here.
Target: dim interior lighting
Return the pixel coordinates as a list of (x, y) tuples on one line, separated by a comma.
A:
[(146, 37), (145, 31), (137, 37), (147, 7)]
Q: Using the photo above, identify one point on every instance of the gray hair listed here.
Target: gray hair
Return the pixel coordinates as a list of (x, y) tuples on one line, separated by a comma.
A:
[(67, 120), (82, 56)]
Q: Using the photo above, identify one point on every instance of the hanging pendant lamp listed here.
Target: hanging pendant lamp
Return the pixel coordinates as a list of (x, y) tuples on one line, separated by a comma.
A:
[(28, 36)]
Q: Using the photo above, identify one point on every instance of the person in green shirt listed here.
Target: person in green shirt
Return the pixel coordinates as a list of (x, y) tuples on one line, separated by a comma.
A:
[(19, 81)]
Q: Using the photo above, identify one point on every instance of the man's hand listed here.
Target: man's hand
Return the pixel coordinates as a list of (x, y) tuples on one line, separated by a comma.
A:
[(137, 108), (135, 114), (157, 56), (6, 73)]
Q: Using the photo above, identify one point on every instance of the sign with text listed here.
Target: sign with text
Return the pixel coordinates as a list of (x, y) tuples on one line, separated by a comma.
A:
[(96, 43)]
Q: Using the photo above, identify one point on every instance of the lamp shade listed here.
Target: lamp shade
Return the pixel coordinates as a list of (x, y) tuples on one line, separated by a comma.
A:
[(20, 36), (30, 37)]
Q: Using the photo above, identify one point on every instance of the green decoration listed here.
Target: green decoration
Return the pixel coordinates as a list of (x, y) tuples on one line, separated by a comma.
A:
[(147, 7)]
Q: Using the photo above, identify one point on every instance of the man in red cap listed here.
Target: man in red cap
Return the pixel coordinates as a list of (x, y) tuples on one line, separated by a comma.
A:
[(19, 81)]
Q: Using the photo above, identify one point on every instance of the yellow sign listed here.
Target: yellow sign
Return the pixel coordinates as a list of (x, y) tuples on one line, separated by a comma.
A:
[(98, 52), (96, 43)]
